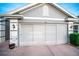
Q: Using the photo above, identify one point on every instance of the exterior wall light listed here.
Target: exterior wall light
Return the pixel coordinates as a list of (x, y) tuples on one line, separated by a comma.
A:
[(13, 26)]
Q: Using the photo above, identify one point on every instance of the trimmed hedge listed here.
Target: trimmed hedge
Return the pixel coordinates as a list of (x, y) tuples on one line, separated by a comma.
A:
[(74, 39)]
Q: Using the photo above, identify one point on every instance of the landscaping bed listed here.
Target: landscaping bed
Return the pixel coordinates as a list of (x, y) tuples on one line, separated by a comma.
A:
[(74, 39)]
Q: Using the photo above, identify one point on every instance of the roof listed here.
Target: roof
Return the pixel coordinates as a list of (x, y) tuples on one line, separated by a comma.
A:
[(11, 16), (35, 4)]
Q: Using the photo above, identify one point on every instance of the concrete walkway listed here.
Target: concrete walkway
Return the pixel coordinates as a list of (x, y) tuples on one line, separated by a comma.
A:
[(46, 50)]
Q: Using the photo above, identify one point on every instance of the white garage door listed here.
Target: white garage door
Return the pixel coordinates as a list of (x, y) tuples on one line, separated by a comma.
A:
[(39, 34), (61, 33), (35, 34), (51, 34), (25, 34)]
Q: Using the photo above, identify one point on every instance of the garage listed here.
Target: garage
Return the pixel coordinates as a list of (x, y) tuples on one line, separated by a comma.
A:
[(42, 34), (39, 24)]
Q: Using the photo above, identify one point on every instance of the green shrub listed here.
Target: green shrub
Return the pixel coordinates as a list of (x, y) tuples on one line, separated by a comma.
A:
[(74, 39)]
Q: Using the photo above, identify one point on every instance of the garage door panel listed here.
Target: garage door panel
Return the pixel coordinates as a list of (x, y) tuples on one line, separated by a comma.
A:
[(51, 33), (39, 32), (25, 34), (61, 33)]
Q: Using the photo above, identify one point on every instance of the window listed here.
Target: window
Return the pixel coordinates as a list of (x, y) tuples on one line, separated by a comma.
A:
[(75, 28)]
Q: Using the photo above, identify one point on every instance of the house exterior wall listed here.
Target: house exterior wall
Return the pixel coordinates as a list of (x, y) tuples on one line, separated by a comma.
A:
[(2, 30), (14, 31), (70, 27), (39, 11)]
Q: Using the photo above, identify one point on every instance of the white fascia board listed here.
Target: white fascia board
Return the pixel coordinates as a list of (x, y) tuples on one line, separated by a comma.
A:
[(8, 15), (42, 18), (64, 10), (72, 19)]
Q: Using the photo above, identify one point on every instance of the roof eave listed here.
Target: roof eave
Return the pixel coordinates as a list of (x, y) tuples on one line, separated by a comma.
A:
[(66, 12), (16, 10), (11, 16)]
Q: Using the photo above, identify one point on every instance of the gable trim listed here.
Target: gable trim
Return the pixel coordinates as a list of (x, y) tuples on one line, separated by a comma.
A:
[(22, 8), (31, 8)]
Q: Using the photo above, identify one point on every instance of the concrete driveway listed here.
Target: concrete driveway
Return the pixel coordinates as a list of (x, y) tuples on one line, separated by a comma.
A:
[(42, 50)]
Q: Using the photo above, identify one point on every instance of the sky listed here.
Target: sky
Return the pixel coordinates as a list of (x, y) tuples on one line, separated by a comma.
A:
[(6, 7), (73, 8)]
